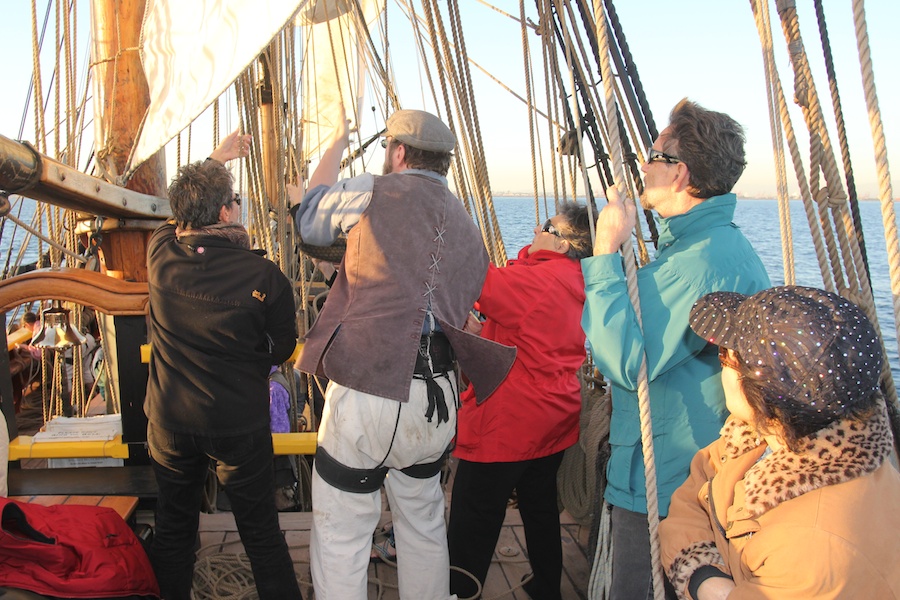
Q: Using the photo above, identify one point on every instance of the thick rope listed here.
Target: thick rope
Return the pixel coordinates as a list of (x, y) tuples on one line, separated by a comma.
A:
[(787, 246), (631, 279), (761, 10), (889, 219), (841, 127), (834, 198), (577, 479)]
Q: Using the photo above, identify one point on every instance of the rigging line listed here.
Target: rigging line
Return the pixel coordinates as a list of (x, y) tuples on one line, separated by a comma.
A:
[(497, 80), (38, 44), (646, 124), (809, 105), (850, 252), (886, 192), (633, 293), (521, 19), (555, 105), (586, 121), (370, 44), (632, 72), (573, 74), (578, 122), (39, 126), (594, 127), (462, 58), (462, 159), (842, 131), (38, 234), (787, 245), (526, 57), (765, 34), (70, 46)]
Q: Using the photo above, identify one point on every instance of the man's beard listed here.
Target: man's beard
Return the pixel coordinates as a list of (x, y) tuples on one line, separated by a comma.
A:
[(387, 168), (646, 202)]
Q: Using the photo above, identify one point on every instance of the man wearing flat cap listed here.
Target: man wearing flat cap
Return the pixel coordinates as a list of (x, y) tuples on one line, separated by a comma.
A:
[(388, 339)]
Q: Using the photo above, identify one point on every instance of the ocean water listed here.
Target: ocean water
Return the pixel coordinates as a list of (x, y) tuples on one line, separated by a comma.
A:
[(758, 220)]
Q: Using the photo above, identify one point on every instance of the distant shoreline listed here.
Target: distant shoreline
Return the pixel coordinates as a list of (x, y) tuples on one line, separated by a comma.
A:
[(530, 195)]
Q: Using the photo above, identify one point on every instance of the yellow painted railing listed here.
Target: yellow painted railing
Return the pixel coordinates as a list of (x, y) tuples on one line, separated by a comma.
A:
[(24, 446)]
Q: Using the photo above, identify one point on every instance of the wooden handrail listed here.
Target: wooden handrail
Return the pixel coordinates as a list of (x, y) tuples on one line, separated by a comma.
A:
[(105, 294)]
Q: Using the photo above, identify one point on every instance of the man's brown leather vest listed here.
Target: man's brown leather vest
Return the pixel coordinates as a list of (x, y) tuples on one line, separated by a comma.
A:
[(415, 246)]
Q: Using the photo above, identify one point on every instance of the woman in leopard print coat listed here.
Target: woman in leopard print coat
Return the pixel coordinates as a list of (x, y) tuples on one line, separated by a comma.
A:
[(796, 499)]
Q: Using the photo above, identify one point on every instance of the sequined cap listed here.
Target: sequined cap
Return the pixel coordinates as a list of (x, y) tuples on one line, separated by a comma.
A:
[(813, 351)]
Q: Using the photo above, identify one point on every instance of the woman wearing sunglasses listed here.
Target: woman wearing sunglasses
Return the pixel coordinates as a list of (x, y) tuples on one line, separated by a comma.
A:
[(796, 499), (515, 438)]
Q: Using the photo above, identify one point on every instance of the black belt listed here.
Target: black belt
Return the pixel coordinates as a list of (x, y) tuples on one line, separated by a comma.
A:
[(437, 348), (366, 481)]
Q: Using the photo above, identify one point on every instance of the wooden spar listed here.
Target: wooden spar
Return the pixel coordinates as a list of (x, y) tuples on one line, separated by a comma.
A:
[(26, 172), (121, 98), (267, 127)]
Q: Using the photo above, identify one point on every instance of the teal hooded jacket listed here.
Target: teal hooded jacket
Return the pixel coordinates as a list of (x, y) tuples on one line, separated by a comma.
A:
[(699, 252)]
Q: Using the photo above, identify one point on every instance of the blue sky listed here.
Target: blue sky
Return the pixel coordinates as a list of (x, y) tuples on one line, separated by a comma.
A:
[(707, 50)]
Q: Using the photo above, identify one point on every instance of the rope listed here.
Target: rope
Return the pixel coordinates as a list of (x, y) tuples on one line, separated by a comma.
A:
[(577, 480), (601, 573), (841, 129), (884, 184), (526, 56), (784, 213), (765, 33), (631, 279)]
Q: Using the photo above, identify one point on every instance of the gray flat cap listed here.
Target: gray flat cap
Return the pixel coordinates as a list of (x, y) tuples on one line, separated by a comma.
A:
[(421, 130)]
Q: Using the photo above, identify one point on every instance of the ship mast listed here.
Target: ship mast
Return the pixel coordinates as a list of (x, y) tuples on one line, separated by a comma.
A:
[(121, 98)]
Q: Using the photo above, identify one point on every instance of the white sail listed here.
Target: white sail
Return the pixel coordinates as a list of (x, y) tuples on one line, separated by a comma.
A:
[(334, 71), (192, 51)]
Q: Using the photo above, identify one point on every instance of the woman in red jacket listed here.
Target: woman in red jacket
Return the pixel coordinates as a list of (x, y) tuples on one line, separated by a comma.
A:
[(515, 440)]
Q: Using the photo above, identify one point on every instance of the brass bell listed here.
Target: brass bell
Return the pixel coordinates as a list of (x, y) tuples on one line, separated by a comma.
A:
[(57, 331)]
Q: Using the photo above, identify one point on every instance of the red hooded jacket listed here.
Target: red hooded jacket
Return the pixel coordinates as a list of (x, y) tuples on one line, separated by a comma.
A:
[(72, 551), (535, 304)]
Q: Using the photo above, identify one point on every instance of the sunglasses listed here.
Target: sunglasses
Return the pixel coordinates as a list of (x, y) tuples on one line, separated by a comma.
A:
[(549, 228), (729, 360), (654, 155), (236, 199), (385, 142)]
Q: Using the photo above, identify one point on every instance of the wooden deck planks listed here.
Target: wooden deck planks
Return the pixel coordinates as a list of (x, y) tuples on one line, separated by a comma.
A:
[(218, 533)]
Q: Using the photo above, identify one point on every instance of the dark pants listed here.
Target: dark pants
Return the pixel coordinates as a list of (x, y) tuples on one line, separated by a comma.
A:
[(180, 462), (477, 509), (632, 574)]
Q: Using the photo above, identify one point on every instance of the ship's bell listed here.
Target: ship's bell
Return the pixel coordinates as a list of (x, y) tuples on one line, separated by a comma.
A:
[(57, 331)]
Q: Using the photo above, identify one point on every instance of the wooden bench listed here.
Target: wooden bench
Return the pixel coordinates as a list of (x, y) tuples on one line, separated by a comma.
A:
[(137, 481), (124, 505)]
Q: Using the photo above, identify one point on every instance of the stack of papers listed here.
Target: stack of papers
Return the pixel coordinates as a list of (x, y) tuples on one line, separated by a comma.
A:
[(68, 429)]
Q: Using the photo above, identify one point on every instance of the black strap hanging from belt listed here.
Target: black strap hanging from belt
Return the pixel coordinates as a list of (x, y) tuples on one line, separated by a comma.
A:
[(435, 359), (436, 399)]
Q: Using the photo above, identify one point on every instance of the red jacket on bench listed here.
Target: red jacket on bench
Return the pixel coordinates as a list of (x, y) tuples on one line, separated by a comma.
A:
[(72, 551)]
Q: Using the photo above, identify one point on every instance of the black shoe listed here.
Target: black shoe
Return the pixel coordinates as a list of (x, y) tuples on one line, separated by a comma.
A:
[(528, 586)]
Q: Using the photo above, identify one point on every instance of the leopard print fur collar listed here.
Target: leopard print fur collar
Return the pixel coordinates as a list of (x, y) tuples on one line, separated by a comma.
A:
[(841, 452)]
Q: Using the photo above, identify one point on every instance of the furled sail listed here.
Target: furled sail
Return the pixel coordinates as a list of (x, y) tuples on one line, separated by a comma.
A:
[(192, 51)]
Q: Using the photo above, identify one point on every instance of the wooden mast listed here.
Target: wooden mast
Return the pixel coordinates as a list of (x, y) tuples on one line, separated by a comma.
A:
[(121, 98)]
